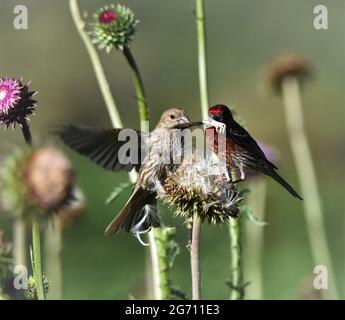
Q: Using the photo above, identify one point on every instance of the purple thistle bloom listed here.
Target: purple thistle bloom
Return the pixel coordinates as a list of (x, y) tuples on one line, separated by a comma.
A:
[(9, 94), (16, 103)]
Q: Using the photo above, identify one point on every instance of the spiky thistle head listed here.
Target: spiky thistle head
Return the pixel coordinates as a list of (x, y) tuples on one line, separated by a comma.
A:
[(16, 102), (113, 26), (288, 65), (201, 186), (36, 182)]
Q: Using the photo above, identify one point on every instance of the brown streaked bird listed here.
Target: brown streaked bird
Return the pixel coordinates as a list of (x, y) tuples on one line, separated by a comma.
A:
[(241, 151), (104, 147)]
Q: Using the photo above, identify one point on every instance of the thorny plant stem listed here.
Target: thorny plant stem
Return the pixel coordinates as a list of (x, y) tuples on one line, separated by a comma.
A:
[(195, 258), (307, 177), (115, 116), (236, 272), (163, 240), (36, 259), (203, 89)]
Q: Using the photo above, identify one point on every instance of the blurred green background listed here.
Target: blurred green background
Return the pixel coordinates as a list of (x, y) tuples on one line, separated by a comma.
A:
[(243, 36)]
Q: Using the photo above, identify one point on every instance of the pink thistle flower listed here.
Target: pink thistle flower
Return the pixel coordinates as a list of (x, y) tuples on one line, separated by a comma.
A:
[(107, 16), (16, 103), (9, 94)]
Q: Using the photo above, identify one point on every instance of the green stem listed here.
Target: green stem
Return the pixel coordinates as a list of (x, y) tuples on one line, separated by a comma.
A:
[(52, 255), (97, 66), (195, 258), (307, 177), (36, 259), (139, 88), (19, 229), (201, 34), (203, 89), (20, 223), (255, 239), (236, 272), (165, 241), (26, 132)]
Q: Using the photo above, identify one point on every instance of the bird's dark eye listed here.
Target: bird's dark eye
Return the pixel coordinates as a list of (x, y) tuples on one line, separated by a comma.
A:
[(172, 116)]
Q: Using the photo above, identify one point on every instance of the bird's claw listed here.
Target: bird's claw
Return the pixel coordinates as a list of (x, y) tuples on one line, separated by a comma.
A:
[(220, 127)]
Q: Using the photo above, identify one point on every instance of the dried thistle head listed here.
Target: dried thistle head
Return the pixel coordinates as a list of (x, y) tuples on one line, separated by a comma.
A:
[(38, 181), (16, 103), (288, 64), (201, 186), (113, 26), (49, 177)]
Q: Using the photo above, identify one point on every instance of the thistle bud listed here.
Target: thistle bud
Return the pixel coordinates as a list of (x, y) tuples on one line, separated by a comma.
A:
[(16, 103), (113, 26)]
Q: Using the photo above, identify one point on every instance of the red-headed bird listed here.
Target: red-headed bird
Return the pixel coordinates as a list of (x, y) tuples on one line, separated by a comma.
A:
[(241, 151)]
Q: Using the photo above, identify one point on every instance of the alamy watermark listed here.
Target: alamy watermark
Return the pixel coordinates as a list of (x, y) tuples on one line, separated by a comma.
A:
[(321, 17), (21, 280), (21, 19), (321, 277)]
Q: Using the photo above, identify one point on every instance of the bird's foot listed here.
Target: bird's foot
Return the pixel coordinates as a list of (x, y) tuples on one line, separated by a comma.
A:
[(220, 126)]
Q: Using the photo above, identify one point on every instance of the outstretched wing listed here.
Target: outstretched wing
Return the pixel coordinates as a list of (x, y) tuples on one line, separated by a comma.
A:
[(241, 137), (103, 146)]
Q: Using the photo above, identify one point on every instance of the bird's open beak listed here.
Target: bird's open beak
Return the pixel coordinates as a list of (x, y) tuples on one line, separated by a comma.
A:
[(183, 120), (220, 126)]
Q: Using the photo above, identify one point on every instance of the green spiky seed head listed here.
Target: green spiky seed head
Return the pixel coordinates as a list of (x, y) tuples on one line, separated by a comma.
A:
[(113, 26)]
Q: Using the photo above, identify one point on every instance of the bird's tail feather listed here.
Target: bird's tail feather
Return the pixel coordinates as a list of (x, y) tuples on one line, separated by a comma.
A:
[(282, 182), (129, 215)]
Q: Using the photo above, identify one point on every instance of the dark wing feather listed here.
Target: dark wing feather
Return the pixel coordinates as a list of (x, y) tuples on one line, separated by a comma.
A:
[(100, 145), (241, 137)]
